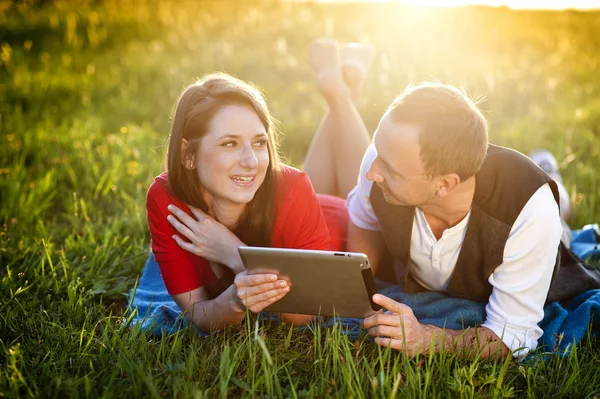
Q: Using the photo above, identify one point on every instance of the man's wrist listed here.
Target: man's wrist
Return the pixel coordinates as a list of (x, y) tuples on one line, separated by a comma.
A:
[(432, 338)]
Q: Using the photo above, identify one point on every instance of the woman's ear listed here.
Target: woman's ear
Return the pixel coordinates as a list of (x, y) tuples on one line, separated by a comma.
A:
[(188, 160)]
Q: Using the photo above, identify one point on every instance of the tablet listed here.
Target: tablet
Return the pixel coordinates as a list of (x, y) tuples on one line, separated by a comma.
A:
[(323, 283)]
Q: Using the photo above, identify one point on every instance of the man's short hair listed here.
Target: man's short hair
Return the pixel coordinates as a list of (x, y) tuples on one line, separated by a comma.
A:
[(453, 135)]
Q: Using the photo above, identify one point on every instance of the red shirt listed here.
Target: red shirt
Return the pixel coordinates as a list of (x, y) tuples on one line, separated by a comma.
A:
[(300, 224)]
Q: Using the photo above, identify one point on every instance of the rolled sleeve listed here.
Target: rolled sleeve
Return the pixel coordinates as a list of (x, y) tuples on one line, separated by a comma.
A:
[(520, 284), (358, 201)]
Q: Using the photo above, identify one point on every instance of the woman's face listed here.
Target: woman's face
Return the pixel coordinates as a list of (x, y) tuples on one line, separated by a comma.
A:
[(232, 159)]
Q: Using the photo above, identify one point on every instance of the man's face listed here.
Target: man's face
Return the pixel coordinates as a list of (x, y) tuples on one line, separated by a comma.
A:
[(398, 169)]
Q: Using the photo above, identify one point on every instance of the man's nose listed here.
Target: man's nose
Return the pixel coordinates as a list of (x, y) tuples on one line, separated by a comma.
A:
[(249, 159), (373, 173)]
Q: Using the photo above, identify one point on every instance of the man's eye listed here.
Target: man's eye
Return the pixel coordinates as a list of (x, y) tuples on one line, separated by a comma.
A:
[(396, 174)]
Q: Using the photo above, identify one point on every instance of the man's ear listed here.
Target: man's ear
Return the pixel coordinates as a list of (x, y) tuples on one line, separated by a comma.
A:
[(447, 183), (188, 160)]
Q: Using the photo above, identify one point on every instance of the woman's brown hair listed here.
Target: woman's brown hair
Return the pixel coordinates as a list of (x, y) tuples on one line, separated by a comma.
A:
[(195, 108)]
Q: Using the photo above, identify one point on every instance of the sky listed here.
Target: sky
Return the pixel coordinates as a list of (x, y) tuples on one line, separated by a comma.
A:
[(516, 4)]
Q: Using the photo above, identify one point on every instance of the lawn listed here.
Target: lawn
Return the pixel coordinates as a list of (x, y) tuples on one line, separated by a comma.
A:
[(86, 92)]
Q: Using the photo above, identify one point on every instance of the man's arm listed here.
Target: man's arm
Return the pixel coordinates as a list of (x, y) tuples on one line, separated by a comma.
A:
[(520, 284), (400, 329), (364, 232), (472, 342), (369, 242)]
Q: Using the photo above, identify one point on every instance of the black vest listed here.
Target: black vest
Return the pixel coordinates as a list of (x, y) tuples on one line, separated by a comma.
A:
[(505, 183)]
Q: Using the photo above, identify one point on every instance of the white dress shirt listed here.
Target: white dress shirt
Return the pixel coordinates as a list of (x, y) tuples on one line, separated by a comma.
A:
[(520, 284)]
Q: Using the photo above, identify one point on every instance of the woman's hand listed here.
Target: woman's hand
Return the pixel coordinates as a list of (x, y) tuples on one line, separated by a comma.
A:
[(257, 291), (208, 238)]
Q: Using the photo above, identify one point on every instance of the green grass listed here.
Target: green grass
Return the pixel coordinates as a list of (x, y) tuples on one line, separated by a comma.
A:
[(85, 98)]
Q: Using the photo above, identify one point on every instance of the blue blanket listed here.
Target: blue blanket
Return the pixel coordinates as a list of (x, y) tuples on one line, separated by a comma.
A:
[(153, 310)]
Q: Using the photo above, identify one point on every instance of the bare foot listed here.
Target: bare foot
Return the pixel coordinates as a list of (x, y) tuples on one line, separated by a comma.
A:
[(324, 57), (356, 60)]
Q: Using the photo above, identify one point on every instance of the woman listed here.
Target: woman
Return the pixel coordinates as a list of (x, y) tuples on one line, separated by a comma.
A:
[(225, 187)]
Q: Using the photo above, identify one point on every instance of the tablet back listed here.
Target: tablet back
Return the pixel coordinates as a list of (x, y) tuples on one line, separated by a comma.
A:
[(321, 282)]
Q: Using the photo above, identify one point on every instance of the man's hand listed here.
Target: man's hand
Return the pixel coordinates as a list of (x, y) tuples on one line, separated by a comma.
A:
[(206, 237), (397, 327)]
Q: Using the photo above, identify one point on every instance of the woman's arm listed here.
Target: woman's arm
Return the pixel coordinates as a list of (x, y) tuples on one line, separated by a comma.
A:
[(297, 319), (254, 292), (210, 314)]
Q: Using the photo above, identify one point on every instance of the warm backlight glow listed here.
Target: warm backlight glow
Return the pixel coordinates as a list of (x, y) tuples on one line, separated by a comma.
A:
[(515, 4), (520, 4)]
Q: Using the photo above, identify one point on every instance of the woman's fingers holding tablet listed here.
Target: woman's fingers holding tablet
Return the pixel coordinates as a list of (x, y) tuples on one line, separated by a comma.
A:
[(244, 279), (263, 301), (258, 302), (257, 291), (263, 289)]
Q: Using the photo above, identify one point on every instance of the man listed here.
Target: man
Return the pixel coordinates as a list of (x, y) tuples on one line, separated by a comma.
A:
[(426, 154), (458, 215), (455, 213)]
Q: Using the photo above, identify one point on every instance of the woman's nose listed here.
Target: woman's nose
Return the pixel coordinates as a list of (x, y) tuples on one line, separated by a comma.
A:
[(249, 159)]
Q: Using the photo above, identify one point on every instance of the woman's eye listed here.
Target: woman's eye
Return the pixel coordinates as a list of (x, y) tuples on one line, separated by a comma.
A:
[(229, 144), (261, 143)]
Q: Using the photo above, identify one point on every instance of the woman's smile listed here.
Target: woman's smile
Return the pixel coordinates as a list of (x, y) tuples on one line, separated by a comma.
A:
[(243, 180)]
